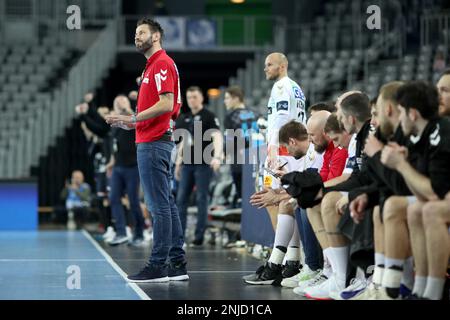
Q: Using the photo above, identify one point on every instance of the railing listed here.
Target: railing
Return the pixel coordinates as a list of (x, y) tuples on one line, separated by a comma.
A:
[(40, 133), (223, 32), (435, 30), (45, 17)]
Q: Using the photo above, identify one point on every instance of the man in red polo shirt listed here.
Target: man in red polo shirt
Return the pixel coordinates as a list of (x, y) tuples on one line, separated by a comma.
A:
[(158, 106)]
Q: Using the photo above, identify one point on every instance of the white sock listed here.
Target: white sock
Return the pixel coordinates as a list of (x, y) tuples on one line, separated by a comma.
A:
[(434, 288), (293, 254), (391, 278), (328, 267), (408, 273), (295, 239), (340, 257), (277, 256), (390, 262), (419, 285), (284, 231), (378, 275), (379, 259)]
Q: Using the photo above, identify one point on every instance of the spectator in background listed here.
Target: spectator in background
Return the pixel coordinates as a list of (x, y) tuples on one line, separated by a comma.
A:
[(191, 170), (98, 133), (238, 117), (125, 178), (77, 195), (439, 62), (443, 87)]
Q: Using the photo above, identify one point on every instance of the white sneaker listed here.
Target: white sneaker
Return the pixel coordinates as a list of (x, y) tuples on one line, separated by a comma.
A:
[(318, 279), (356, 286), (304, 275), (148, 235), (369, 293), (129, 233), (109, 234), (381, 294), (326, 290)]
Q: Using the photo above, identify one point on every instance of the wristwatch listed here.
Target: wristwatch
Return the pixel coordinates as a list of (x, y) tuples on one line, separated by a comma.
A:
[(133, 118)]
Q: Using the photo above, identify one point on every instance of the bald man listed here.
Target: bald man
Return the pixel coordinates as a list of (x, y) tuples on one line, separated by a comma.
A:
[(286, 103), (354, 114)]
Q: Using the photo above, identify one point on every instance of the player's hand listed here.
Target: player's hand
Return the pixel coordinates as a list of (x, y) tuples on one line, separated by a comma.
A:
[(358, 206), (372, 146), (120, 121), (263, 199), (393, 155), (341, 204)]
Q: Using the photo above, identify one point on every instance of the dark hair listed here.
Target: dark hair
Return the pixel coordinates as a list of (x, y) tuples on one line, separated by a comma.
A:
[(292, 129), (357, 105), (153, 25), (235, 91), (333, 124), (323, 106), (194, 88), (421, 96), (373, 101)]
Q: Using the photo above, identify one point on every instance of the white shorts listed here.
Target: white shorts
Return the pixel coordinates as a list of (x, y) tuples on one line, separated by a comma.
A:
[(271, 181)]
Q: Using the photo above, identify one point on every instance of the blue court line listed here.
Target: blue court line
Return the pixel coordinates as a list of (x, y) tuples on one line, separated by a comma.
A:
[(34, 265)]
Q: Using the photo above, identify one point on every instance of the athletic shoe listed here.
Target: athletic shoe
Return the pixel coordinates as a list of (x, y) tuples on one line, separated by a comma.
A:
[(138, 243), (251, 276), (196, 243), (356, 287), (178, 272), (148, 235), (381, 294), (290, 269), (317, 280), (271, 274), (109, 234), (326, 290), (415, 297), (405, 292), (118, 240), (305, 274), (149, 274), (369, 293)]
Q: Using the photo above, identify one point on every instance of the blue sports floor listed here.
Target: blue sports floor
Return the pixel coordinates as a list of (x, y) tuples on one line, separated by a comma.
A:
[(60, 265)]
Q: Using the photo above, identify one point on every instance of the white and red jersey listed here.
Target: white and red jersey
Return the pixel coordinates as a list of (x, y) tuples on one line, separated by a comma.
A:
[(286, 103)]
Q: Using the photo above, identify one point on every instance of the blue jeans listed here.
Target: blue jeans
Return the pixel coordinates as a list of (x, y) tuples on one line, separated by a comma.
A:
[(126, 180), (155, 170), (312, 248), (200, 176)]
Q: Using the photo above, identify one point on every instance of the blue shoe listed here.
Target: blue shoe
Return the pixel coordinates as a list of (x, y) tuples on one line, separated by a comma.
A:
[(405, 292), (356, 287), (178, 272), (149, 274)]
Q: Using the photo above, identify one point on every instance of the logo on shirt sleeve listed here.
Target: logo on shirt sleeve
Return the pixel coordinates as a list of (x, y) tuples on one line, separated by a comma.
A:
[(158, 81), (282, 105), (163, 74), (435, 138), (297, 93)]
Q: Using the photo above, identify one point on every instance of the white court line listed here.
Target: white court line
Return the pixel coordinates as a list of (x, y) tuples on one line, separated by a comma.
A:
[(52, 260), (116, 267)]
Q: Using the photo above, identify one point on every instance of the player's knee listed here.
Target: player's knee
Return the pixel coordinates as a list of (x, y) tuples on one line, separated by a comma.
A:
[(376, 217), (328, 205), (431, 213), (395, 209), (414, 215)]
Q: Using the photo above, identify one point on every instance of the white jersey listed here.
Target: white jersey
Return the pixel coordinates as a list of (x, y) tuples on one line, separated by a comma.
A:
[(286, 103), (312, 160), (351, 160)]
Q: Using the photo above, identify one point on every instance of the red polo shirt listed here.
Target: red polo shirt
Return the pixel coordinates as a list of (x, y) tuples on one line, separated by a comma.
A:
[(334, 160), (160, 76)]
